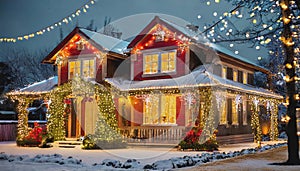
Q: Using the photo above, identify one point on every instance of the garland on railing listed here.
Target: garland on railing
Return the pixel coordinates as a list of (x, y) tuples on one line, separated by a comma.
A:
[(274, 120), (56, 120), (255, 124)]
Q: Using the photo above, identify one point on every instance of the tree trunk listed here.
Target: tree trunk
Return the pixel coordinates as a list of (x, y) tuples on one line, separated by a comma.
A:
[(291, 129)]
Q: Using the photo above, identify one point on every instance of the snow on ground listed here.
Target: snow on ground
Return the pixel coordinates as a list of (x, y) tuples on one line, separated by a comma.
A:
[(134, 158), (258, 161)]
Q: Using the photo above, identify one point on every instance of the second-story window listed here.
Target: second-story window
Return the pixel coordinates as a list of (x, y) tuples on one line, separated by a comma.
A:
[(156, 63), (245, 78), (229, 73), (88, 68), (151, 64), (82, 67), (168, 61), (240, 76), (74, 69)]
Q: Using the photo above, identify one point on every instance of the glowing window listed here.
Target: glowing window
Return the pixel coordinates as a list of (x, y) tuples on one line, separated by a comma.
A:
[(150, 108), (224, 72), (163, 62), (74, 69), (160, 109), (168, 61), (88, 68), (245, 78), (168, 109), (235, 75), (82, 68), (151, 64)]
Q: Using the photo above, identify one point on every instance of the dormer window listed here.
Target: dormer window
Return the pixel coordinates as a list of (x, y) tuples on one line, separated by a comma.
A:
[(84, 68), (158, 63), (151, 64)]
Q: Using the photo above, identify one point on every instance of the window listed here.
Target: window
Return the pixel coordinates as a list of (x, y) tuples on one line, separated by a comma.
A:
[(224, 72), (245, 78), (88, 68), (74, 69), (235, 75), (168, 61), (240, 76), (250, 79), (223, 112), (160, 110), (84, 68), (163, 62), (151, 64), (229, 74), (168, 109)]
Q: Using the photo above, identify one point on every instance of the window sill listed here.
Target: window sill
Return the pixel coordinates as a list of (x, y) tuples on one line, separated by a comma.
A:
[(159, 74)]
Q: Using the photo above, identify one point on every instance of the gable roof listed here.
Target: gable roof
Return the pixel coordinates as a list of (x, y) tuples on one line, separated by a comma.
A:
[(99, 40), (196, 38)]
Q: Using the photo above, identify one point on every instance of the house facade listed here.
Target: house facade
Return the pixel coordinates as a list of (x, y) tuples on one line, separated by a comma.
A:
[(162, 82)]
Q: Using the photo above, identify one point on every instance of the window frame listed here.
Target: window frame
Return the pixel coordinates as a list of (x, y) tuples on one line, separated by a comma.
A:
[(159, 108), (80, 60), (159, 63)]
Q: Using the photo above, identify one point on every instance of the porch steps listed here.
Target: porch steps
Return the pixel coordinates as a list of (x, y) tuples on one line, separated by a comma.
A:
[(67, 144), (233, 139)]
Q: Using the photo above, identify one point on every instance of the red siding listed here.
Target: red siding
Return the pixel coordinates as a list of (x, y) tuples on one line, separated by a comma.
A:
[(180, 114), (138, 111), (180, 67), (98, 71), (64, 72)]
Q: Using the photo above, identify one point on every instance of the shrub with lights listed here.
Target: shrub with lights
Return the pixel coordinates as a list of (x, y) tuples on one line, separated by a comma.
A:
[(192, 140), (34, 136)]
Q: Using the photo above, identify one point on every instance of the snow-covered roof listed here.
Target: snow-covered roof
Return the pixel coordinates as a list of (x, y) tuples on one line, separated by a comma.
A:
[(197, 78), (39, 87), (107, 42), (198, 37)]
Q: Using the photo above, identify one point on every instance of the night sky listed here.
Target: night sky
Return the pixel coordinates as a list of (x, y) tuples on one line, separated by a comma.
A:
[(19, 17)]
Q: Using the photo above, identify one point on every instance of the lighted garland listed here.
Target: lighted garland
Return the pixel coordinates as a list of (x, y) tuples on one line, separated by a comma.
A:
[(23, 104), (56, 120), (207, 118), (23, 100), (107, 129), (50, 27), (255, 124), (274, 120)]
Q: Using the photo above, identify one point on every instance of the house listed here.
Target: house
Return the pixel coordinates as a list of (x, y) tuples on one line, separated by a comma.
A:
[(162, 81)]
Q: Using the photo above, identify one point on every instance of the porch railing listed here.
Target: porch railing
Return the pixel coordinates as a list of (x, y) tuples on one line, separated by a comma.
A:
[(154, 134)]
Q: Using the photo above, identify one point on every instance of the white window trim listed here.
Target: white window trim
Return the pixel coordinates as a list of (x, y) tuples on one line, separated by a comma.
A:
[(159, 72), (81, 65)]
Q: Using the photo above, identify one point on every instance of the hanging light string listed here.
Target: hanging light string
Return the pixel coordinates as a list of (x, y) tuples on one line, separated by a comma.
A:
[(84, 8)]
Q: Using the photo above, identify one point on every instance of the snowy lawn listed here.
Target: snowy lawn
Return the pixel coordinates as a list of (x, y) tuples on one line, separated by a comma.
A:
[(258, 161), (32, 158)]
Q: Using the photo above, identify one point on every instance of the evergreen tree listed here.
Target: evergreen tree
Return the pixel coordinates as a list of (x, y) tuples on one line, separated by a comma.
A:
[(107, 132)]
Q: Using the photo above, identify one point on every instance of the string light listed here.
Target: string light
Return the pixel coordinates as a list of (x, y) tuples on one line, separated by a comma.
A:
[(50, 27)]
